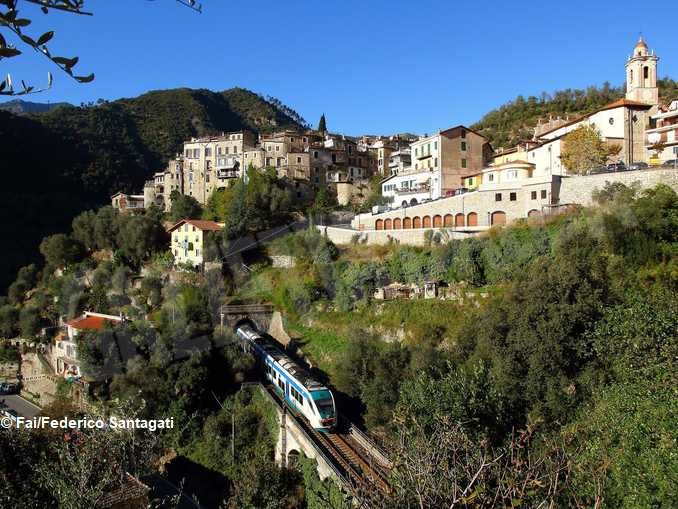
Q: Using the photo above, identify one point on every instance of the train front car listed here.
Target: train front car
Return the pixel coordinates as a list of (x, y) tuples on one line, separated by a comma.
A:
[(325, 411)]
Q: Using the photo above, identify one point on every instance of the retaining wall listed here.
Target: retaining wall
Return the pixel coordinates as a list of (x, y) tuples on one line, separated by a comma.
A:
[(580, 189), (380, 237)]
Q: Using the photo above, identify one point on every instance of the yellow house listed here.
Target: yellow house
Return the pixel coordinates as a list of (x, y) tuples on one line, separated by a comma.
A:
[(188, 240), (472, 181)]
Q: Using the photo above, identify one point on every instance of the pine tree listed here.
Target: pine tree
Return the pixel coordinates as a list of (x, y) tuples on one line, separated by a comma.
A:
[(322, 125)]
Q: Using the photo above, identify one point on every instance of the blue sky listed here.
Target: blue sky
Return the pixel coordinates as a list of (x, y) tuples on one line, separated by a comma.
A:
[(371, 66)]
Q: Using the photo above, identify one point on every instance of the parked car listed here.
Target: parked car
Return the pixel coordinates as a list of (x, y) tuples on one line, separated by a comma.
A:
[(638, 166), (617, 167), (671, 163), (8, 388)]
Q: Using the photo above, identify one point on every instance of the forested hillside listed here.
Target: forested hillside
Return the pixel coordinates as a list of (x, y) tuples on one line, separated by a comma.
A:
[(515, 120), (70, 159), (19, 106)]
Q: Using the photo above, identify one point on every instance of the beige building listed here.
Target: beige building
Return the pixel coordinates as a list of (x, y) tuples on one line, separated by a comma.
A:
[(662, 136), (129, 202), (209, 163), (188, 240)]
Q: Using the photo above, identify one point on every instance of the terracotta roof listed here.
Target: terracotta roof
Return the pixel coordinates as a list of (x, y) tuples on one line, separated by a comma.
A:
[(201, 224), (90, 323), (623, 102), (641, 43), (460, 126)]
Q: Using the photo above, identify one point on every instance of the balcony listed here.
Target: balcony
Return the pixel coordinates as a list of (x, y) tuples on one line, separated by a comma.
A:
[(422, 188), (228, 174), (228, 163), (423, 156)]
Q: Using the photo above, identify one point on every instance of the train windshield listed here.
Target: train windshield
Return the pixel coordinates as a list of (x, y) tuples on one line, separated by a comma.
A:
[(323, 400)]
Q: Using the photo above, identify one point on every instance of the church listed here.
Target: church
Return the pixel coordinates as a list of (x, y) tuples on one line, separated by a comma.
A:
[(622, 123)]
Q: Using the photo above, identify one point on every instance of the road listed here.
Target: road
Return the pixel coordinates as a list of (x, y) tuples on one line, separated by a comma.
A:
[(21, 406)]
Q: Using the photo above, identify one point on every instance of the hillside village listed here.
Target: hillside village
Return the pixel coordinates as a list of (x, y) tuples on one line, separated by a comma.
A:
[(452, 179), (452, 294)]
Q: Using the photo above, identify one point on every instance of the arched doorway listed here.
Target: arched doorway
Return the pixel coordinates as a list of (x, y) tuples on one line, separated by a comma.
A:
[(387, 224), (407, 223), (437, 221), (498, 218), (413, 201), (293, 459), (379, 225), (396, 223), (449, 220), (426, 222), (533, 213), (416, 222), (472, 219), (459, 219)]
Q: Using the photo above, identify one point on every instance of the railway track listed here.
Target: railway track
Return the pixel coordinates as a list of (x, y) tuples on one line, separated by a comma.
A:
[(350, 458)]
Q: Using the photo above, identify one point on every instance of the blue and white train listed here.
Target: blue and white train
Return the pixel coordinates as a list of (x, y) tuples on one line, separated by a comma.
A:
[(305, 395)]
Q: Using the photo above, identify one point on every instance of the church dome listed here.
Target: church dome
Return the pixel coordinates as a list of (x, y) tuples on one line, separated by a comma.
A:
[(641, 44)]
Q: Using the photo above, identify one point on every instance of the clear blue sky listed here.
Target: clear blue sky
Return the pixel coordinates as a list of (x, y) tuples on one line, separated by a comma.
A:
[(372, 66)]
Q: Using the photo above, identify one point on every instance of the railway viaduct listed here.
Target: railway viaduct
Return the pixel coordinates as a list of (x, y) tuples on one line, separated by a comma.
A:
[(347, 455)]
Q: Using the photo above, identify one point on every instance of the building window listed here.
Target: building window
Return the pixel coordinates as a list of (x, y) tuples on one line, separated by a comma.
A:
[(512, 196), (646, 72), (315, 154), (490, 177), (196, 153), (497, 196), (416, 152), (463, 146), (463, 133), (533, 195), (435, 145), (299, 160), (463, 163), (543, 194), (435, 162), (208, 152)]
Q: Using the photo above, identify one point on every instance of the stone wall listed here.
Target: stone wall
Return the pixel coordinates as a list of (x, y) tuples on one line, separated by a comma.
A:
[(579, 189), (380, 237)]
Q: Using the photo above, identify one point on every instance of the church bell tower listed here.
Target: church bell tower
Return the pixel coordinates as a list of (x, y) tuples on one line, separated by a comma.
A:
[(641, 75)]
